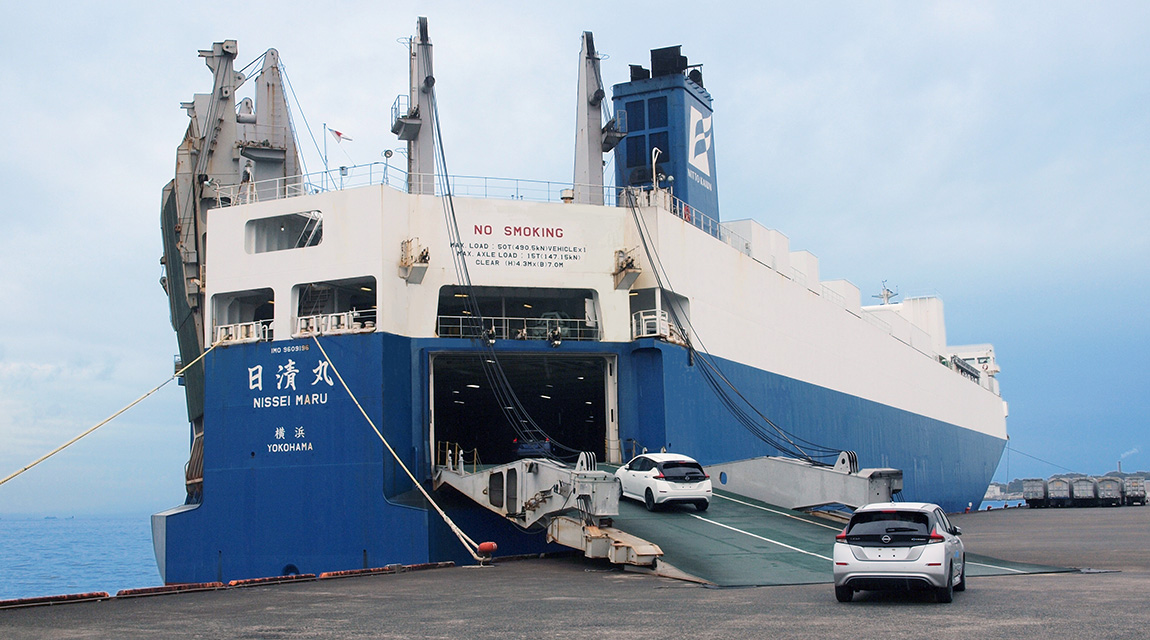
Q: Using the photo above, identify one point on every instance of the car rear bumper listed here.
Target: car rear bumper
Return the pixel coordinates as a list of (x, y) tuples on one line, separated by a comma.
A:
[(889, 583), (927, 571)]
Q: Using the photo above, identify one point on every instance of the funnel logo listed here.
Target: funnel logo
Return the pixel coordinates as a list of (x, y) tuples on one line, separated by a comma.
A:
[(700, 156)]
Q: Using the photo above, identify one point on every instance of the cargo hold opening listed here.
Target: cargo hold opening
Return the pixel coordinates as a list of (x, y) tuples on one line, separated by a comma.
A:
[(565, 395)]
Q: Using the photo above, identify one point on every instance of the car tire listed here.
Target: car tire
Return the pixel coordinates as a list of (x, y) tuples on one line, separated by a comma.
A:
[(620, 492), (649, 500), (844, 594), (702, 505), (946, 594), (961, 586)]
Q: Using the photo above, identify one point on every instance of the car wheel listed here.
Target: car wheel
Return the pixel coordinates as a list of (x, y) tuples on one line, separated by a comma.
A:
[(702, 505), (844, 594), (946, 594), (649, 500), (961, 586)]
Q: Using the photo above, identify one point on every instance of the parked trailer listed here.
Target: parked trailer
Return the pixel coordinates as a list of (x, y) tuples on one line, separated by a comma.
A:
[(1110, 492), (1058, 492), (1034, 492), (1135, 490), (1084, 492)]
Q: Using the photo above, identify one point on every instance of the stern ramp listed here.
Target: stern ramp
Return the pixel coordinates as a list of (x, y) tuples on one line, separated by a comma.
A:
[(576, 505)]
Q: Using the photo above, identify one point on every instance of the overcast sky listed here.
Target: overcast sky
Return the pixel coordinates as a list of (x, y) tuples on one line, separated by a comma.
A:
[(996, 154)]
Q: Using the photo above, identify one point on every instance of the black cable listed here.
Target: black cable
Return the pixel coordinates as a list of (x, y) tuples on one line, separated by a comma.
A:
[(784, 441), (510, 405)]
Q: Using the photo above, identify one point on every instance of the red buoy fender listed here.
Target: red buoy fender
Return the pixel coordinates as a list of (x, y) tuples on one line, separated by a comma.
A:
[(487, 548)]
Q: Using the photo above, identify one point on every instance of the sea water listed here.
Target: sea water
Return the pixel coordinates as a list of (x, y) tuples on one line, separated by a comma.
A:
[(53, 556)]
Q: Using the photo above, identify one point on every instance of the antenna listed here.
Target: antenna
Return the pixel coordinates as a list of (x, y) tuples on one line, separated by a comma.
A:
[(886, 294)]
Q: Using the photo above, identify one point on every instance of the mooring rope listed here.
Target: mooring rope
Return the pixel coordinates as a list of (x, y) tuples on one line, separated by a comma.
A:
[(468, 543), (111, 417)]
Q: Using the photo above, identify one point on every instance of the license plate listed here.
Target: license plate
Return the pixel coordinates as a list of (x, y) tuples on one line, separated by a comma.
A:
[(885, 553)]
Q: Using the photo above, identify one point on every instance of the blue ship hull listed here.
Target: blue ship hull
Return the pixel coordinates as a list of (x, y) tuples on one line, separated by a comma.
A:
[(296, 480)]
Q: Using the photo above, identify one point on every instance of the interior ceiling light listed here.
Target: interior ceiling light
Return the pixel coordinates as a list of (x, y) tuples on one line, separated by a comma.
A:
[(585, 402), (466, 312), (472, 386), (579, 378), (527, 306), (455, 390), (545, 397), (367, 289), (461, 295)]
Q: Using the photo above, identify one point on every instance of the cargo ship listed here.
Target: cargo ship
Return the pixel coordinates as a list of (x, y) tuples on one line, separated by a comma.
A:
[(333, 325)]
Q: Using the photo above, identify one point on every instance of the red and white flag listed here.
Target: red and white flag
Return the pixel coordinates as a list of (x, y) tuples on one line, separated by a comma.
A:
[(339, 135)]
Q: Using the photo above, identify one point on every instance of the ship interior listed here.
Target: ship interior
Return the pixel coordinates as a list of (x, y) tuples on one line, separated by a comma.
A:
[(566, 396)]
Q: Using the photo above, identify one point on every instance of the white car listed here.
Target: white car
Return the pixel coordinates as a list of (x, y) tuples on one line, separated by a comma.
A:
[(664, 478), (899, 545)]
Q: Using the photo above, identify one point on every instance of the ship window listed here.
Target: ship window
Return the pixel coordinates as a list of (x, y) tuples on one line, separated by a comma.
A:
[(335, 306), (636, 150), (495, 489), (278, 233), (657, 112), (635, 119), (518, 313), (243, 315)]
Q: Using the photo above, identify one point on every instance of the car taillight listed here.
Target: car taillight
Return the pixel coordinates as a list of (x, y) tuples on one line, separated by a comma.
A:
[(659, 476), (842, 536), (935, 536)]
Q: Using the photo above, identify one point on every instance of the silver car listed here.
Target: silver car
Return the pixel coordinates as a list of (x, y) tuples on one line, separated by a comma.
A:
[(899, 545)]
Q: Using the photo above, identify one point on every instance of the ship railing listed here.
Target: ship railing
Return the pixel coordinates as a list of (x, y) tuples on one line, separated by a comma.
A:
[(506, 328), (964, 368), (357, 321), (269, 136), (655, 323), (650, 323), (385, 173), (243, 332), (691, 215), (455, 458), (878, 322)]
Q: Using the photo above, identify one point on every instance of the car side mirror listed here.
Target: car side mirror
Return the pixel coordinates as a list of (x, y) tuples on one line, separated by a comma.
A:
[(957, 531)]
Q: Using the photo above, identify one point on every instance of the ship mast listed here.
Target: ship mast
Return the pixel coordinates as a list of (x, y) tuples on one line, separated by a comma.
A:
[(408, 119), (592, 139)]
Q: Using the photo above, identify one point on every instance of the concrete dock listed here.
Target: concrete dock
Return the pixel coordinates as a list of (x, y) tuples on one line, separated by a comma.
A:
[(568, 596)]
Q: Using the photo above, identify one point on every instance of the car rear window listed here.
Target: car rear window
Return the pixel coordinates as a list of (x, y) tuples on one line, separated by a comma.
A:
[(683, 471), (897, 527)]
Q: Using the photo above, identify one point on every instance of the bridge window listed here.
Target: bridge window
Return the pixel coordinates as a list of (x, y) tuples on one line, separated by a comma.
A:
[(657, 110)]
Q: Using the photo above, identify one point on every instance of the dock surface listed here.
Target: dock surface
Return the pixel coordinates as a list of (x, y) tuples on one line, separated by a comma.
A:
[(568, 596)]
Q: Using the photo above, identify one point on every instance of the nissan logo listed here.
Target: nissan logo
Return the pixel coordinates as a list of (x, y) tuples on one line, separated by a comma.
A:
[(886, 539)]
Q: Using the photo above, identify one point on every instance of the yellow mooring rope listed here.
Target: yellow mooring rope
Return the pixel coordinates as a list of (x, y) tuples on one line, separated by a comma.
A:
[(111, 417), (468, 543)]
